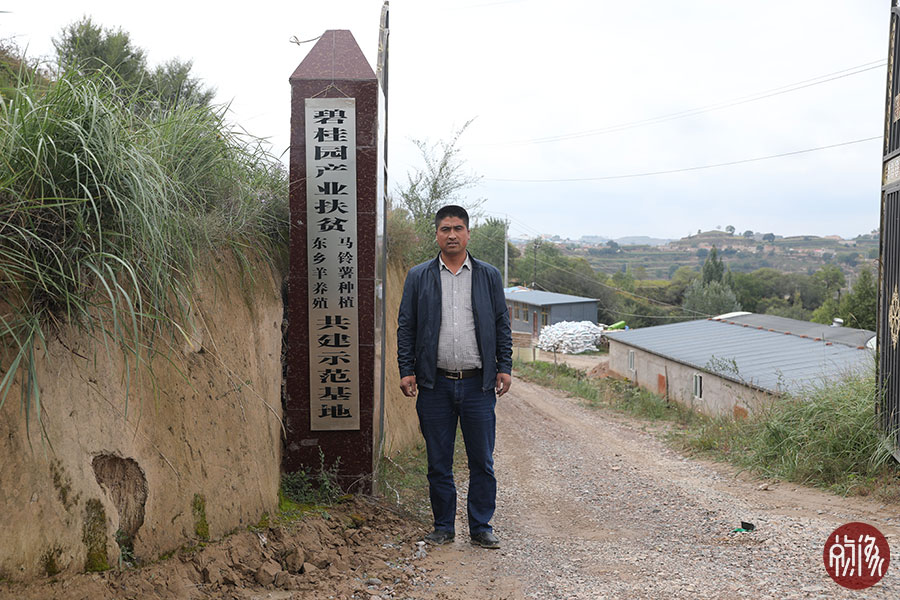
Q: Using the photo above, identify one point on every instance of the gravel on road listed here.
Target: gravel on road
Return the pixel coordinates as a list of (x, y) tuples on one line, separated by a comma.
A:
[(590, 506)]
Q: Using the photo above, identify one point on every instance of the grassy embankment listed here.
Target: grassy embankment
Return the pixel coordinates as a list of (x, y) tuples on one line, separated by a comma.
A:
[(827, 437), (107, 207)]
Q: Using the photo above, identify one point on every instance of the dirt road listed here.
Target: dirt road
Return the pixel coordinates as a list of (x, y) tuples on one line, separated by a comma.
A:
[(592, 507)]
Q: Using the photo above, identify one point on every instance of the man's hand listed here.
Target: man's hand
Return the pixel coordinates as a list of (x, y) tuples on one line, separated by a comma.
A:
[(408, 385), (503, 382)]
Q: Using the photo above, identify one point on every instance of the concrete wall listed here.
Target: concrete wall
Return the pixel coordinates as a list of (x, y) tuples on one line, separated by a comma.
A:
[(192, 451), (675, 380)]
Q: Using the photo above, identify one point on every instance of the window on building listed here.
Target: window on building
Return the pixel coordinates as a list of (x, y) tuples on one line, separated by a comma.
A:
[(631, 360), (545, 317), (525, 311), (698, 385), (516, 305)]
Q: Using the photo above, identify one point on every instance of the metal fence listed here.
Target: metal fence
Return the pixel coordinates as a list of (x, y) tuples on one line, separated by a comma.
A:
[(889, 263)]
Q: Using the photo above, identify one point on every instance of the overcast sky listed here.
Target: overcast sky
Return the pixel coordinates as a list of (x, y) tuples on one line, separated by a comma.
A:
[(597, 91)]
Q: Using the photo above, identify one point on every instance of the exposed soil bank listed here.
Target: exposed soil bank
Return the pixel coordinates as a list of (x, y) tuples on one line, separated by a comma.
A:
[(144, 464)]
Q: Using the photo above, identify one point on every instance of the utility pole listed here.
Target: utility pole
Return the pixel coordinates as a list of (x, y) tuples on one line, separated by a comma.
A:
[(506, 252), (537, 244)]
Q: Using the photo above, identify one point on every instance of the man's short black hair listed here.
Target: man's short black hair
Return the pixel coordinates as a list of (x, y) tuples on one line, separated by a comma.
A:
[(451, 210)]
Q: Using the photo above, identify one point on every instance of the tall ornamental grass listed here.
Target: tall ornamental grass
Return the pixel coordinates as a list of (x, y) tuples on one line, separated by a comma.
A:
[(827, 436), (107, 207)]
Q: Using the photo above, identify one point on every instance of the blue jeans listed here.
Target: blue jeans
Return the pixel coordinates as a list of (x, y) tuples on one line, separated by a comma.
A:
[(439, 409)]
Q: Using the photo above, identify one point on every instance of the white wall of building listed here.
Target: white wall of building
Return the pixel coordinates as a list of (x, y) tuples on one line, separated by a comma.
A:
[(674, 380)]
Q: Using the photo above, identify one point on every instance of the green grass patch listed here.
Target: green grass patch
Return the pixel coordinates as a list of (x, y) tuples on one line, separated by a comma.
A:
[(198, 510), (611, 393), (827, 436)]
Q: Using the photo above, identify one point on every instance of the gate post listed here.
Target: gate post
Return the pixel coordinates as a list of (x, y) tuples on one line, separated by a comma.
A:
[(336, 205)]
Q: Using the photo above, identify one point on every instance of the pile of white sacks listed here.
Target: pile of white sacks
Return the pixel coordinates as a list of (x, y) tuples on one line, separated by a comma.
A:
[(570, 337)]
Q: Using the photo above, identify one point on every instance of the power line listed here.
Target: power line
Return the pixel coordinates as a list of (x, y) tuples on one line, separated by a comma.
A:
[(793, 87), (627, 293), (686, 169), (612, 287)]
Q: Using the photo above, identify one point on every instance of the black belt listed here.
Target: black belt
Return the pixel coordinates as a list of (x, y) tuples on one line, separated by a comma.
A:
[(464, 374)]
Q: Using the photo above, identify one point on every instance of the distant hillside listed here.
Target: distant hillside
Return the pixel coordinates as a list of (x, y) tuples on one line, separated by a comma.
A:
[(794, 254), (720, 239), (641, 240)]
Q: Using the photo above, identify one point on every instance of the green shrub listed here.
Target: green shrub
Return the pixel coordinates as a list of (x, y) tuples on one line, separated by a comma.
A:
[(320, 487)]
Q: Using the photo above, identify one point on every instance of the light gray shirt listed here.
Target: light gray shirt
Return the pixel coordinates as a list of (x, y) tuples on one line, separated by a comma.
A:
[(457, 346)]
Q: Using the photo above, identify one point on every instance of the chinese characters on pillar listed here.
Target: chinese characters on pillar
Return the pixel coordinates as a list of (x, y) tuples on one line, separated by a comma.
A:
[(332, 262)]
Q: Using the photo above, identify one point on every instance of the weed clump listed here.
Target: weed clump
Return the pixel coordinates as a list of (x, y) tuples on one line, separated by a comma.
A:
[(50, 561), (319, 487), (198, 509)]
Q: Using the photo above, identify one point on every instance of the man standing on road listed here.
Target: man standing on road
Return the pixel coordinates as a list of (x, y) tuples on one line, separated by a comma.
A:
[(455, 348)]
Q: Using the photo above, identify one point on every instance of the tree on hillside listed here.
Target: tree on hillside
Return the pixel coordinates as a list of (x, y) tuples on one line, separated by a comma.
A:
[(832, 278), (767, 289), (858, 308), (486, 242), (729, 230), (713, 268), (711, 294), (769, 237), (173, 86), (88, 48), (827, 312), (792, 309), (714, 298), (439, 182), (544, 263), (679, 283), (748, 234), (849, 258)]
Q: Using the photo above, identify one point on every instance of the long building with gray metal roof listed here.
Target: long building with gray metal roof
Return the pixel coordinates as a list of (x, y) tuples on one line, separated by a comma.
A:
[(710, 362)]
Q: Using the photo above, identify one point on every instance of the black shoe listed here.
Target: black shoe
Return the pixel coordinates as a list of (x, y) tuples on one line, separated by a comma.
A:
[(439, 537), (485, 539)]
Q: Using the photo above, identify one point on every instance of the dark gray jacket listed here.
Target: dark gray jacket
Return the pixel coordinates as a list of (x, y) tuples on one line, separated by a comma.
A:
[(419, 322)]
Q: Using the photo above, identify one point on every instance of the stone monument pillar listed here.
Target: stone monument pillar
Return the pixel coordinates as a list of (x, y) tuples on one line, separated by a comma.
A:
[(336, 199)]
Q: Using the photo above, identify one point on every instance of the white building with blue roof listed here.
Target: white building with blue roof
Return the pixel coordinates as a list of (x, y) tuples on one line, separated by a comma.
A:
[(726, 364)]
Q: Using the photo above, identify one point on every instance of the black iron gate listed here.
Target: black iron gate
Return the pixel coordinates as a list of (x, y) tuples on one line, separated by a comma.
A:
[(889, 265)]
